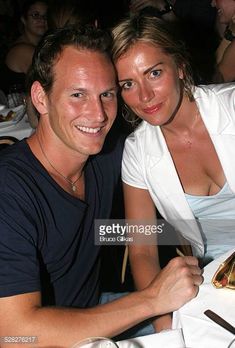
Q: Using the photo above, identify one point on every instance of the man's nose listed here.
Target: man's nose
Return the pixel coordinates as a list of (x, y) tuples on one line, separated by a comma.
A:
[(98, 110)]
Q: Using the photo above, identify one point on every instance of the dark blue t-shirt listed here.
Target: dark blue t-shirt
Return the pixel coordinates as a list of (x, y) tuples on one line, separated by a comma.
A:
[(47, 235)]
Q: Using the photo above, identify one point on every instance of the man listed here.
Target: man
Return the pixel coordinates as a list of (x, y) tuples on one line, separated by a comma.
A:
[(53, 186)]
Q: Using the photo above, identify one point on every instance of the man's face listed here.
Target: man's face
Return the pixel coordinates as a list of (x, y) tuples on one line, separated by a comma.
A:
[(82, 105)]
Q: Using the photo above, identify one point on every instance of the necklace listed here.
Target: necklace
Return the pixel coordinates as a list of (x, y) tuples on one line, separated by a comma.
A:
[(189, 142), (72, 183)]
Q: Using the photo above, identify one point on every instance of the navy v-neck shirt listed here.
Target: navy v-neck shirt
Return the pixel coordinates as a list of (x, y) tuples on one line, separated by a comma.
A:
[(47, 235)]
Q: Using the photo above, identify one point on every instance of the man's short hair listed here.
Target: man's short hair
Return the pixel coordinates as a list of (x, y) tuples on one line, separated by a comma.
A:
[(51, 45)]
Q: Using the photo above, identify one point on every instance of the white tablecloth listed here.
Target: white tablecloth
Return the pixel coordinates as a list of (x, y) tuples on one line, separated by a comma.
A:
[(198, 329), (164, 339), (19, 131)]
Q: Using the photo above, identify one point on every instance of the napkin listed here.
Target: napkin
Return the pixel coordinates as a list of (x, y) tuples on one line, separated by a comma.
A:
[(199, 330), (164, 339)]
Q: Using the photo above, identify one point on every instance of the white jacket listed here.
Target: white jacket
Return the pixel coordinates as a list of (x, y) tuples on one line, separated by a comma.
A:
[(147, 162)]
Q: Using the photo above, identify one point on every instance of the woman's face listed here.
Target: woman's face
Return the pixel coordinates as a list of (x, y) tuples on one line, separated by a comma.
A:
[(36, 20), (150, 83)]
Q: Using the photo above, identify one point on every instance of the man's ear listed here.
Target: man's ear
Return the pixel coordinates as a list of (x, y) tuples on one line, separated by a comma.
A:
[(39, 98)]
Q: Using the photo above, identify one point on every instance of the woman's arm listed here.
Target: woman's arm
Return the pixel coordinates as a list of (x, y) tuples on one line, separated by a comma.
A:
[(144, 259), (19, 57), (225, 56), (226, 66)]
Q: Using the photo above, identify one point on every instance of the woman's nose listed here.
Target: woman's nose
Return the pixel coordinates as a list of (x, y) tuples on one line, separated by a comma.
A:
[(146, 92)]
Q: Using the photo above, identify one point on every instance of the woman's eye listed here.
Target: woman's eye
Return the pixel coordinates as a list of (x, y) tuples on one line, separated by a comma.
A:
[(155, 73), (126, 85)]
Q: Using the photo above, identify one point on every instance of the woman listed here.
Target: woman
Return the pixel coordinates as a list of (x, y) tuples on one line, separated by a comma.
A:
[(180, 157), (19, 57)]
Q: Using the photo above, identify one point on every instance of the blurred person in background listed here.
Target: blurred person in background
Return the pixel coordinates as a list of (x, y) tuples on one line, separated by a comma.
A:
[(8, 11), (195, 21), (33, 21), (71, 12), (225, 54), (164, 8)]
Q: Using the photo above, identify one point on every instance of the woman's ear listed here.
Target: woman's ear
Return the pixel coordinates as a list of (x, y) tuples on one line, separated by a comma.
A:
[(181, 73), (39, 98)]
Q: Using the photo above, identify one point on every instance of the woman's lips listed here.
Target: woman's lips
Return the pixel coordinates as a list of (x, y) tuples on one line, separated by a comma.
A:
[(152, 109)]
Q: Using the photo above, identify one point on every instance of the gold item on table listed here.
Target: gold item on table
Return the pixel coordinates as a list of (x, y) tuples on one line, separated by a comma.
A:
[(224, 277)]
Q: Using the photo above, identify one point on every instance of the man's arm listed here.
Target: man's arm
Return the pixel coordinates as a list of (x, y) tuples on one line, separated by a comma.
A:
[(23, 315)]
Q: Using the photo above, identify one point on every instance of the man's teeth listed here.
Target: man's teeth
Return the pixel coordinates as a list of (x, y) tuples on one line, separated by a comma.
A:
[(89, 130)]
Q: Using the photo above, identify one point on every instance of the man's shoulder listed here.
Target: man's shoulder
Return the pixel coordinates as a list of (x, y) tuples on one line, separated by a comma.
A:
[(15, 163), (13, 152), (108, 161), (113, 146)]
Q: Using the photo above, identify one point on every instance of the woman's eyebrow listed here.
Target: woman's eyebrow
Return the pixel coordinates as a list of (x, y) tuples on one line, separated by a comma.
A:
[(127, 79), (152, 67), (145, 72)]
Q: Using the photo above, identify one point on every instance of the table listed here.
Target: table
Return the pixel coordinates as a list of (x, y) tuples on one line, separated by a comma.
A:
[(19, 131), (199, 330), (191, 328), (164, 339)]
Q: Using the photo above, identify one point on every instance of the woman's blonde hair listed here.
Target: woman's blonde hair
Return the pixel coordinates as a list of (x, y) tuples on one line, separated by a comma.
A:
[(157, 32)]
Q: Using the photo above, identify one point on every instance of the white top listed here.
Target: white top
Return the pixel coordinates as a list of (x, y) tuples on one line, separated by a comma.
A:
[(147, 162), (216, 217)]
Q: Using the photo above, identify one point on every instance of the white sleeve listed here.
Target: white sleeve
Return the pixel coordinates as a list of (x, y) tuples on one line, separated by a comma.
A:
[(132, 165)]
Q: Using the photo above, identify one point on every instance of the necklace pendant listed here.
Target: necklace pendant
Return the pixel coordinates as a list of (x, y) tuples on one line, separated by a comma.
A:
[(74, 188)]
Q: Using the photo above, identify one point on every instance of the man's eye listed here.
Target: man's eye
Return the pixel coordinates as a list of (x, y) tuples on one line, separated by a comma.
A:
[(77, 95), (107, 95)]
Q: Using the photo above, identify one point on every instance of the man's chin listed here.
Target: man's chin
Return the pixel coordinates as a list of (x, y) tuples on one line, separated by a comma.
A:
[(94, 150)]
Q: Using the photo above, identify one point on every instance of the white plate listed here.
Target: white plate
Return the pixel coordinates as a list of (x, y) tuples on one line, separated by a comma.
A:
[(20, 111)]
